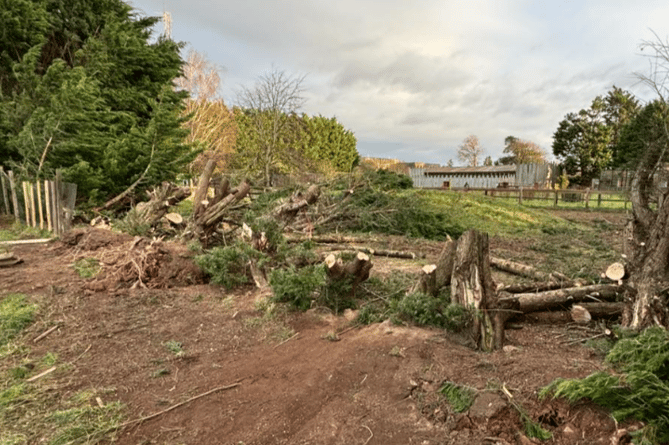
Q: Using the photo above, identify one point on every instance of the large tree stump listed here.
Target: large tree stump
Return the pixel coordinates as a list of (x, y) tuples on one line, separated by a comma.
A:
[(160, 201), (351, 273), (472, 286)]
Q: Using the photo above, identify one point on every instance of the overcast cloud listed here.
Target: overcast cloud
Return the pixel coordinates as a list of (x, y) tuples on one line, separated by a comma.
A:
[(413, 79)]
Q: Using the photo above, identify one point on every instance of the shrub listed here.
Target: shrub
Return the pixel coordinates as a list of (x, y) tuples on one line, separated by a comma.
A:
[(459, 397)]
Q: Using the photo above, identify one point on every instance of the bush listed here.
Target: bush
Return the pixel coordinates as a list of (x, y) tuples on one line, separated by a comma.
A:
[(639, 389)]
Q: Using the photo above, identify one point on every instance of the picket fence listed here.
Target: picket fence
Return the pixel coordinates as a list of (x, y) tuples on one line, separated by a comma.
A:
[(48, 205)]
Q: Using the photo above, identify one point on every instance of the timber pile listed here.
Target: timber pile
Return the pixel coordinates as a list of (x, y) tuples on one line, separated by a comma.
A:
[(160, 200)]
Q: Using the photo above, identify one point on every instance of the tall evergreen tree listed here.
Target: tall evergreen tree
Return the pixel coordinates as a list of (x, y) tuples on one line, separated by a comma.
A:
[(93, 96)]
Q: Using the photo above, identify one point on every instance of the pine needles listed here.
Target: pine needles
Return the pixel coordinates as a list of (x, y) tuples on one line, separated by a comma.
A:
[(639, 389)]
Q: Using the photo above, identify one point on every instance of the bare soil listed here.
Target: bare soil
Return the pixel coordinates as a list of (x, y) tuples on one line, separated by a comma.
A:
[(376, 385)]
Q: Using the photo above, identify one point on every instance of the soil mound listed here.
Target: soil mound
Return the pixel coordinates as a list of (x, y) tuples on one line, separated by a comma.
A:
[(123, 261)]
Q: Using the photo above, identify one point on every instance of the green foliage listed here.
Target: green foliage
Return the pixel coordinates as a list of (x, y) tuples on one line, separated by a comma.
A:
[(85, 424), (228, 266), (459, 397), (326, 140), (585, 141), (87, 267), (133, 224), (15, 314), (94, 88), (421, 309), (174, 347), (645, 132), (640, 389), (297, 286)]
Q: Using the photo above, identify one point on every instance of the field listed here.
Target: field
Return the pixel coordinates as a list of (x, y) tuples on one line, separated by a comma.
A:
[(186, 362)]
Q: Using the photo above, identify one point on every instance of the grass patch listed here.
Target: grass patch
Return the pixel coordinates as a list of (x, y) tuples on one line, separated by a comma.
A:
[(175, 348), (36, 412), (87, 267), (19, 231)]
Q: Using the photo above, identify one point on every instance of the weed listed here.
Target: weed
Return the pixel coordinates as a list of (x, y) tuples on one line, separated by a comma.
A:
[(330, 336), (459, 397), (396, 351), (175, 348), (87, 267), (159, 373)]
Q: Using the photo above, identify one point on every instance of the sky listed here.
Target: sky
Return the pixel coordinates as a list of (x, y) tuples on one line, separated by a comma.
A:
[(413, 79)]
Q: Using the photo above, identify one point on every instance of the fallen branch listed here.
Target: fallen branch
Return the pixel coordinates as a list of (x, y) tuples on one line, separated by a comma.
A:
[(370, 251), (47, 332), (525, 270), (42, 374), (531, 302), (173, 407), (287, 340)]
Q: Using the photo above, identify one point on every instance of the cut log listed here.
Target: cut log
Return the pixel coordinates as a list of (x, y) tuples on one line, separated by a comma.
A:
[(356, 271), (437, 276), (580, 314), (525, 270), (297, 202), (330, 239), (548, 317), (174, 218), (541, 301), (370, 251), (203, 188), (161, 199), (520, 288), (615, 272), (472, 287), (604, 310)]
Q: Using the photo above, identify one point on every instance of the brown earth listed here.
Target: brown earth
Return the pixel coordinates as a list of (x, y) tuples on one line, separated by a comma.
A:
[(375, 385)]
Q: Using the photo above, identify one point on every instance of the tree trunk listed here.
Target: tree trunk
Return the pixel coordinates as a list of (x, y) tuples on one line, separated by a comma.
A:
[(353, 272), (161, 199), (472, 286), (434, 277)]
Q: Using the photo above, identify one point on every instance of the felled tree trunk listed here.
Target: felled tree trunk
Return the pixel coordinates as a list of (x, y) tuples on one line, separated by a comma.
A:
[(526, 271), (541, 301), (472, 286)]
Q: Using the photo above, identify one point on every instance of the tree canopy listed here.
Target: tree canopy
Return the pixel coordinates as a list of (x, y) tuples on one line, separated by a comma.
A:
[(470, 151), (86, 88), (521, 152), (586, 141)]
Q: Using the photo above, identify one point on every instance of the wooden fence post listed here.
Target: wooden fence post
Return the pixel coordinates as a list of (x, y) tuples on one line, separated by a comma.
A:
[(39, 205), (5, 197), (33, 217), (520, 196), (15, 200), (26, 203), (47, 202)]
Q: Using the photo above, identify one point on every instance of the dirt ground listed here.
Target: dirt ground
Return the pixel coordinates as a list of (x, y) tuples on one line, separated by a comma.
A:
[(280, 380)]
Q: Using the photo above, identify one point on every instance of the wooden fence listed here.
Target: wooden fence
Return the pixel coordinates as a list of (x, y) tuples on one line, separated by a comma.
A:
[(48, 205), (586, 197)]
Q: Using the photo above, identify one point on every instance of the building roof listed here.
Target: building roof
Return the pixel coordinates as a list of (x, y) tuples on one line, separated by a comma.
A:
[(479, 169)]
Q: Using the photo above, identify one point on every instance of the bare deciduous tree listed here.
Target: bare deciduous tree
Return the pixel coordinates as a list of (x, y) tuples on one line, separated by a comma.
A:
[(211, 123), (470, 151), (275, 96)]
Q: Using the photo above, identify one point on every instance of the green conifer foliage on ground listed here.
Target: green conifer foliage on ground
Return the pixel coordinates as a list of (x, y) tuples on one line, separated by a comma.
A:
[(639, 387)]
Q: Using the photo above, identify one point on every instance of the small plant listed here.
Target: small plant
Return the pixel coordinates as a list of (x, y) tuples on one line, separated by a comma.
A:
[(459, 397), (87, 267), (160, 373), (330, 336), (396, 351), (133, 224), (175, 348)]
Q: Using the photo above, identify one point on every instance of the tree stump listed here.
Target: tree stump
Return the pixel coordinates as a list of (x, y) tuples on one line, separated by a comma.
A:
[(472, 286), (435, 277), (354, 272)]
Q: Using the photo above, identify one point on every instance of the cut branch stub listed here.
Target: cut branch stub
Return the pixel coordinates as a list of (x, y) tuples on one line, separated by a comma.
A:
[(297, 202), (615, 272), (435, 277)]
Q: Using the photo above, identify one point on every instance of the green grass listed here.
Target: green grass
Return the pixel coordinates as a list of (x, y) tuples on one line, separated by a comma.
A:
[(19, 231), (459, 397), (37, 412), (87, 267)]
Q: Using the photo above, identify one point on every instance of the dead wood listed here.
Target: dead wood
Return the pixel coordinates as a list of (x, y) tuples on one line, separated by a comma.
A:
[(354, 271), (161, 199), (297, 202), (541, 301), (435, 277), (472, 287), (525, 270), (199, 203), (548, 317), (330, 239), (539, 287), (401, 254), (9, 259), (602, 310)]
